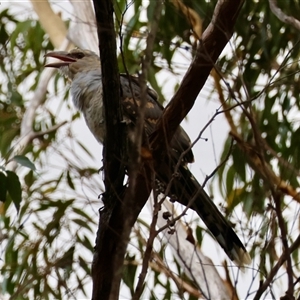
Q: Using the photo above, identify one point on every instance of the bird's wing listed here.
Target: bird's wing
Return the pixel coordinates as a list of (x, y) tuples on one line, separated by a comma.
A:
[(184, 187), (131, 100)]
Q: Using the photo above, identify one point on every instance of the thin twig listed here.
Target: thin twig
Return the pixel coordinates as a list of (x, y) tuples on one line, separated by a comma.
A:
[(286, 253), (157, 264), (282, 225), (147, 255), (139, 130), (256, 153), (208, 177)]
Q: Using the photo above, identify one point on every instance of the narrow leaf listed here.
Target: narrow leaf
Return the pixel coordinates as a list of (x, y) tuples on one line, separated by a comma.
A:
[(70, 182), (24, 161), (14, 188), (3, 187)]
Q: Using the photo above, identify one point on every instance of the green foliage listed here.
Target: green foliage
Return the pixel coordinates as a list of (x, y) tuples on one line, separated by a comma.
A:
[(47, 234), (274, 87), (24, 161), (3, 187), (13, 186), (10, 188), (263, 66)]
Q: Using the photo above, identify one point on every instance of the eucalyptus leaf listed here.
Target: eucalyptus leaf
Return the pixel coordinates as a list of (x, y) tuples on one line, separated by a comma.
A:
[(24, 161), (14, 188)]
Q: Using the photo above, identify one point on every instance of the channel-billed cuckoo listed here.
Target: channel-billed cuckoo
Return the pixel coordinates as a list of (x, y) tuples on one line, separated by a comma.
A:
[(82, 67)]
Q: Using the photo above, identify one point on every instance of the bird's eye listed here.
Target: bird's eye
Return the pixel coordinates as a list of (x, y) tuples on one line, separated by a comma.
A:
[(78, 55)]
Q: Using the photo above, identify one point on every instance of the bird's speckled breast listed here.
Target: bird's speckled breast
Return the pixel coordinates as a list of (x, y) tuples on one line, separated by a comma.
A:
[(87, 96)]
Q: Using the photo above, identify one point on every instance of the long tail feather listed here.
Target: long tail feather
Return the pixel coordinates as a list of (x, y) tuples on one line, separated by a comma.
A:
[(186, 188)]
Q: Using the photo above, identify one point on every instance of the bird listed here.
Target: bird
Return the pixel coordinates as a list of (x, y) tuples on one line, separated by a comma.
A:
[(82, 68)]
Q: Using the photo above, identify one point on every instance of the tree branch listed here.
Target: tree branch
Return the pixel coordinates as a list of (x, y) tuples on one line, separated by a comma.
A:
[(51, 22), (277, 196), (255, 152), (111, 221), (139, 131), (192, 17), (213, 41), (282, 16)]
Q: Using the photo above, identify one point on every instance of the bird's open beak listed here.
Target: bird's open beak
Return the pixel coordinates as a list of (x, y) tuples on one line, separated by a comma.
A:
[(64, 56)]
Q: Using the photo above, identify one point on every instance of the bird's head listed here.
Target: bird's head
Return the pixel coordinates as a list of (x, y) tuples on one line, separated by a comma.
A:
[(75, 61)]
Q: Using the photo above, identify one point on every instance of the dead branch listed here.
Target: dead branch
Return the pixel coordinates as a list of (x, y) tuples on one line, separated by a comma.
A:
[(51, 22)]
